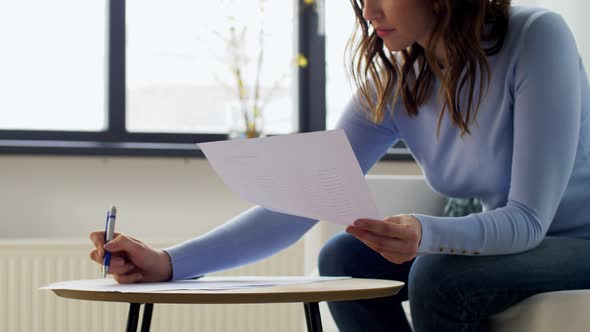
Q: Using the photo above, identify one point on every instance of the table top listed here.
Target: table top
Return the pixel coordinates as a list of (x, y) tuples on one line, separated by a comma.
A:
[(332, 290)]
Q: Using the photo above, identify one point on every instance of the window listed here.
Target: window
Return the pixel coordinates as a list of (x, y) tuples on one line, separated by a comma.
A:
[(178, 63), (147, 77), (340, 23), (109, 74), (53, 65)]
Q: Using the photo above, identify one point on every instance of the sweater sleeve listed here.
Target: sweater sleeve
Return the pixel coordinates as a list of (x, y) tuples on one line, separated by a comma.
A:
[(547, 106), (258, 232)]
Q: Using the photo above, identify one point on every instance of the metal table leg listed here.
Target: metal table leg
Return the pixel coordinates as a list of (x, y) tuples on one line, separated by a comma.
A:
[(147, 317), (133, 317), (312, 316)]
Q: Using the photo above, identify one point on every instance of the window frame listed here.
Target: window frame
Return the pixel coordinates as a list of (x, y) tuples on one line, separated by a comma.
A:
[(117, 141)]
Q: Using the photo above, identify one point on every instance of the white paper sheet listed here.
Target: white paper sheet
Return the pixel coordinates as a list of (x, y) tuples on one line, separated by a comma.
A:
[(205, 283), (314, 175)]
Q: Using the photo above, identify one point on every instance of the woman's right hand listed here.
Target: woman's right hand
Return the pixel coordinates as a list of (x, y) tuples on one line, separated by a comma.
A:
[(131, 260)]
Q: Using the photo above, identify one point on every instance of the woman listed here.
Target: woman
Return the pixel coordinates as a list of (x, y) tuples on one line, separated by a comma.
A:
[(493, 102)]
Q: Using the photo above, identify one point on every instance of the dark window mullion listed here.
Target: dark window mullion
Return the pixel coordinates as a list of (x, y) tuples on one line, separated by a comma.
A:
[(116, 70), (312, 78)]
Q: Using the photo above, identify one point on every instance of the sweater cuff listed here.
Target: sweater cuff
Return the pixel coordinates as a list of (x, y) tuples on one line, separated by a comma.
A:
[(425, 246), (438, 237), (179, 271)]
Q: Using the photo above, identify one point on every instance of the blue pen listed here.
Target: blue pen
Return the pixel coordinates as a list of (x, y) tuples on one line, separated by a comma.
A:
[(109, 233)]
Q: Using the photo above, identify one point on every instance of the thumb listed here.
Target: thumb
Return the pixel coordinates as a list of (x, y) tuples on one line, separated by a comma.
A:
[(121, 243)]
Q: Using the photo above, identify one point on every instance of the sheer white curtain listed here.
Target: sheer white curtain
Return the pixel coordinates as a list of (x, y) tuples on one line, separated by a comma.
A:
[(575, 13)]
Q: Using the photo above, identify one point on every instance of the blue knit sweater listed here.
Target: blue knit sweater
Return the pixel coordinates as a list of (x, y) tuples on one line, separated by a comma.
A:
[(527, 159)]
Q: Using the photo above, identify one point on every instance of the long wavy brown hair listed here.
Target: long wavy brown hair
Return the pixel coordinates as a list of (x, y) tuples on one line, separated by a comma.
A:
[(462, 26)]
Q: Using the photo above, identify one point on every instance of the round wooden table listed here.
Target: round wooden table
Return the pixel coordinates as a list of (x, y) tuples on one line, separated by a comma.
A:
[(310, 294)]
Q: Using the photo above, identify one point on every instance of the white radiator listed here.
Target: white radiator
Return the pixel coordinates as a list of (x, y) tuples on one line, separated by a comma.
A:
[(26, 265)]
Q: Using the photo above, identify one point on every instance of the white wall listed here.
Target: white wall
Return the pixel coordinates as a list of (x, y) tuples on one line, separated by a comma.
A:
[(157, 198)]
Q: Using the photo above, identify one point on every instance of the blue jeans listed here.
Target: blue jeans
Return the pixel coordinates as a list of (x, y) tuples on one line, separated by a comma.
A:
[(451, 292)]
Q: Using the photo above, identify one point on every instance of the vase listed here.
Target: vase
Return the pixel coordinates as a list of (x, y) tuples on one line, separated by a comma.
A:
[(245, 120)]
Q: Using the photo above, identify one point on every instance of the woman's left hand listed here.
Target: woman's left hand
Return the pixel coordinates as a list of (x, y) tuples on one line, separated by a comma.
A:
[(396, 238)]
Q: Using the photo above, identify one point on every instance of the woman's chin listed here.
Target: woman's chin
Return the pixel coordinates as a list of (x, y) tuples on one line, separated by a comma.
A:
[(395, 47)]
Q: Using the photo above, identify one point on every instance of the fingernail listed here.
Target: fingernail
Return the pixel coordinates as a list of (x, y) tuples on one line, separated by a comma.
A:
[(107, 246), (357, 222)]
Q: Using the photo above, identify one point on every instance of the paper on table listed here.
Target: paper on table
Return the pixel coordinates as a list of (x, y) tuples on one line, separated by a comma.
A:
[(205, 283), (314, 175)]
